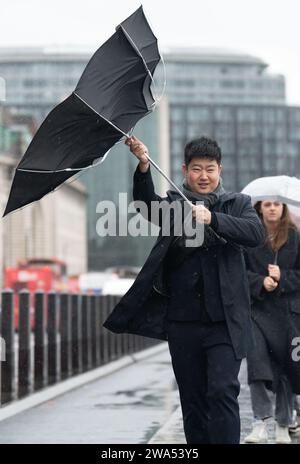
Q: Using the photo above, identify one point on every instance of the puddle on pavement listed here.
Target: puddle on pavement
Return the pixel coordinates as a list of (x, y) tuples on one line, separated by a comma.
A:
[(123, 399), (150, 397)]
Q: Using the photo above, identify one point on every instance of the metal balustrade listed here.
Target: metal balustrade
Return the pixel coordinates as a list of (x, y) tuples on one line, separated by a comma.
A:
[(61, 336)]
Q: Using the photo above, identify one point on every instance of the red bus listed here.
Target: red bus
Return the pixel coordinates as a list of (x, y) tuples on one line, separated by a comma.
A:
[(36, 274)]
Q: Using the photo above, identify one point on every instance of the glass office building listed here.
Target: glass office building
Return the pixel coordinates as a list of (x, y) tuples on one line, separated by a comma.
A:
[(233, 98), (255, 140)]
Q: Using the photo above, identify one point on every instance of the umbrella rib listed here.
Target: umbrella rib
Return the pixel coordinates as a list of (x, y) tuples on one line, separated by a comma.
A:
[(101, 115), (143, 59), (67, 169), (137, 50)]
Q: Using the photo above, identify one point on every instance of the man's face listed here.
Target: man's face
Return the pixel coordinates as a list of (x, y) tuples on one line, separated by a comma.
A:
[(202, 174)]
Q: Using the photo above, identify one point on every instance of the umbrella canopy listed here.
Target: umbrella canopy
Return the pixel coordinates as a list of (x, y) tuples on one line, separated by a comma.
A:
[(113, 93), (295, 214), (277, 188)]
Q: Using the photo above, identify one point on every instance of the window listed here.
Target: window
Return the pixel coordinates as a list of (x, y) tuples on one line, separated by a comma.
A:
[(182, 82), (177, 114), (234, 84), (34, 83), (196, 114), (178, 129), (247, 114), (223, 114)]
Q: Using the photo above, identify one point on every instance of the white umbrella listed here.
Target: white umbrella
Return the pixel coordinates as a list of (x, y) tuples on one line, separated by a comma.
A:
[(277, 188), (295, 214)]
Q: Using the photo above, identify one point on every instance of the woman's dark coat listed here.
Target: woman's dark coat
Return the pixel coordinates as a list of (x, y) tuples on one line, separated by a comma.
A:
[(276, 315), (142, 310)]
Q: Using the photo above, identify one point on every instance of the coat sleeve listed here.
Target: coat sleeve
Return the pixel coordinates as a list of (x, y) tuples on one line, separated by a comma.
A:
[(290, 278), (245, 227), (143, 191), (257, 290)]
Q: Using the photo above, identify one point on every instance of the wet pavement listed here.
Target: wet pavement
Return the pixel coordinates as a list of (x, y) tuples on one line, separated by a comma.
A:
[(172, 431), (136, 404), (127, 406)]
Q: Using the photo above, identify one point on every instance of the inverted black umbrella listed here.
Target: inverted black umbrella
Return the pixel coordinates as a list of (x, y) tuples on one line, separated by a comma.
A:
[(113, 93)]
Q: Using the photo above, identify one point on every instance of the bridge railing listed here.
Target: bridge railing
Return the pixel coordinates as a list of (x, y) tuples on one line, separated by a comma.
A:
[(56, 336)]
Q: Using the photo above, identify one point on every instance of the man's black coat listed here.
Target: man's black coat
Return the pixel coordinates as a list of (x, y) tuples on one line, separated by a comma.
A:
[(142, 310)]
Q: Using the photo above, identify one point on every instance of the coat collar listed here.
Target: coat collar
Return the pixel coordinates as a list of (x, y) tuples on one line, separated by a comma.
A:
[(227, 196)]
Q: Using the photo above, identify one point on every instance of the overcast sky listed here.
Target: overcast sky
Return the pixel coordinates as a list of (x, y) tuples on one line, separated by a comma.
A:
[(268, 29)]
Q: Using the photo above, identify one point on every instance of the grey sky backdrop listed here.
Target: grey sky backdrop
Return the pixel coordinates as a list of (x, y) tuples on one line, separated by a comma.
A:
[(268, 29)]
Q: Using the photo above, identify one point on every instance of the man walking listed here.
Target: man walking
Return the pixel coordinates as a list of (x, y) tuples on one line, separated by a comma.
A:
[(197, 298)]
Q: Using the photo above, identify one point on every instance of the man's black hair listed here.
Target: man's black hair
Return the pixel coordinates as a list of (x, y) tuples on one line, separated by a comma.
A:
[(203, 147)]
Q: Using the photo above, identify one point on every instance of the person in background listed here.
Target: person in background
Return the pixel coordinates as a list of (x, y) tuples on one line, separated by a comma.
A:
[(274, 279)]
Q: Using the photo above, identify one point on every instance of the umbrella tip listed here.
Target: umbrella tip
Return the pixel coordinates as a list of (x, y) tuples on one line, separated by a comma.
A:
[(5, 212)]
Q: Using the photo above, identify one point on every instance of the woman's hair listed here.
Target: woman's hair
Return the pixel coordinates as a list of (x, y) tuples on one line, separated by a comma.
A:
[(285, 223)]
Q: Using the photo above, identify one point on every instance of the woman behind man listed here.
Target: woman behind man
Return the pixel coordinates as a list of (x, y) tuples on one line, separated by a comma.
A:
[(274, 278)]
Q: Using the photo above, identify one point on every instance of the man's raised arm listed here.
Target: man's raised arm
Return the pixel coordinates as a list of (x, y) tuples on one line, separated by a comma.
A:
[(143, 187)]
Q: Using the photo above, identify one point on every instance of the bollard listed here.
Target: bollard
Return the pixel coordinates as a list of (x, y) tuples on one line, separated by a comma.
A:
[(65, 336), (100, 327), (7, 377), (134, 343), (40, 347), (53, 359), (24, 365), (86, 333), (140, 342), (103, 331), (111, 335), (118, 337), (95, 331), (2, 358), (137, 343), (76, 314), (126, 343), (131, 344)]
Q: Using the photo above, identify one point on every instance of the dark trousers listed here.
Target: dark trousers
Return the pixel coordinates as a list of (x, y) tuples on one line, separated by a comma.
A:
[(206, 372)]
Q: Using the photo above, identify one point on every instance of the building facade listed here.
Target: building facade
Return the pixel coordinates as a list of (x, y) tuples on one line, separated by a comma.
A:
[(53, 227), (37, 79), (233, 98), (255, 140), (216, 76)]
